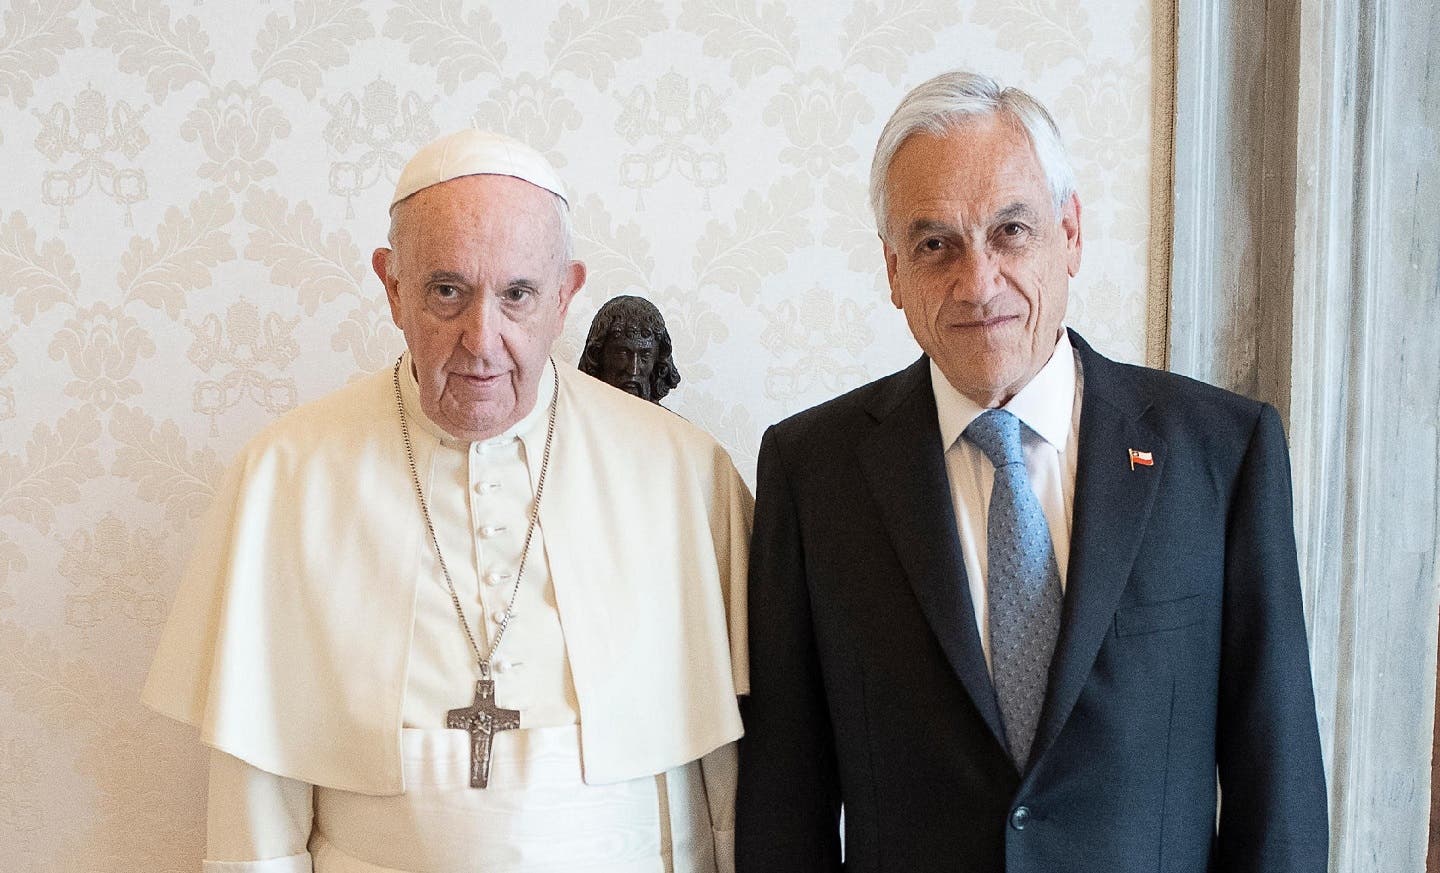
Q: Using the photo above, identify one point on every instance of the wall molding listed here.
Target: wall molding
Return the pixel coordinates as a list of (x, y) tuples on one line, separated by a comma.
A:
[(1162, 183)]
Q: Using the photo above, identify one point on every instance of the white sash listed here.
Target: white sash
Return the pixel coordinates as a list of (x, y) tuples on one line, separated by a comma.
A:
[(536, 816)]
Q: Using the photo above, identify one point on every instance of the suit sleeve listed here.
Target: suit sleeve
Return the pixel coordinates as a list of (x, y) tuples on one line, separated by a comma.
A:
[(718, 773), (1273, 816), (788, 805), (732, 516)]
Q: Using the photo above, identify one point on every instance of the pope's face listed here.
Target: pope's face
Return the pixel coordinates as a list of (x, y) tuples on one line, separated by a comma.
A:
[(628, 362), (976, 257), (478, 284)]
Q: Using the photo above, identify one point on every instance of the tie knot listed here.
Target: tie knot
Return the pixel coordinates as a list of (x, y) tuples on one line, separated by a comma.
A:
[(997, 433)]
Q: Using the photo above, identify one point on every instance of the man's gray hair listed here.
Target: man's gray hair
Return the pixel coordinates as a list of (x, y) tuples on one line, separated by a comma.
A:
[(946, 101), (562, 213)]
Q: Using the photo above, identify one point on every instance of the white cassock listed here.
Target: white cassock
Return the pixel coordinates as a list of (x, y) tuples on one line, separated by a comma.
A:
[(316, 648)]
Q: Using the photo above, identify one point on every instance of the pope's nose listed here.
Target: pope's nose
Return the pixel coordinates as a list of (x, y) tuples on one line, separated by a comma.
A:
[(481, 329)]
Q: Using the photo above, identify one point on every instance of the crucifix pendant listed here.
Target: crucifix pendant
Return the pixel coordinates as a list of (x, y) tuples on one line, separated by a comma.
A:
[(483, 719)]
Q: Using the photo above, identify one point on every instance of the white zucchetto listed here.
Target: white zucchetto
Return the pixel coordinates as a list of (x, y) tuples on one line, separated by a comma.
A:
[(475, 153)]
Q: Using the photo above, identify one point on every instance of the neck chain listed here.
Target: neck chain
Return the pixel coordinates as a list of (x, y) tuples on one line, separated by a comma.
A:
[(481, 659)]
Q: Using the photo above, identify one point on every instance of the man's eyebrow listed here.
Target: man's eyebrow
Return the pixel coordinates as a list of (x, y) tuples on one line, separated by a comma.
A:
[(924, 226), (445, 276), (1016, 211)]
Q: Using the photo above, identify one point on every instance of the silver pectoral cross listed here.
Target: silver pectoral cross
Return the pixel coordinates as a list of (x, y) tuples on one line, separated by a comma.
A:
[(483, 719)]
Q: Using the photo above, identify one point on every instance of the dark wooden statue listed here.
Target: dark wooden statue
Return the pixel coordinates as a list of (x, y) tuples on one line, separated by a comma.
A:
[(629, 347)]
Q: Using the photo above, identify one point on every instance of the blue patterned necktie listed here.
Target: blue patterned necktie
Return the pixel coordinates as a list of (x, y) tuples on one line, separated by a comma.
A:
[(1023, 582)]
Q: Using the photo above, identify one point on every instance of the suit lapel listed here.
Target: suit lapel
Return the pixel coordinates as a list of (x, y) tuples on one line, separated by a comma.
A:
[(1112, 507), (904, 464)]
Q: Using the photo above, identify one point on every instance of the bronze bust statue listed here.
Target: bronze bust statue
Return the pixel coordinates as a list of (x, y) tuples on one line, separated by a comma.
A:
[(629, 347)]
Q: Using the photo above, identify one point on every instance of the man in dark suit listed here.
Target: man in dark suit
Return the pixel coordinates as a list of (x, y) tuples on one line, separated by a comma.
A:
[(1019, 607)]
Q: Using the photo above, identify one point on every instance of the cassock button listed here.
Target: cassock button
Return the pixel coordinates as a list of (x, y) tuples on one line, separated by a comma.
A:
[(487, 487), (501, 665), (491, 530), (497, 615), (492, 579), (1020, 817)]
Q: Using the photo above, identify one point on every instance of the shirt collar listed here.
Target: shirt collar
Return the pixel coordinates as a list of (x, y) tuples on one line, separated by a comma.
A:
[(1045, 404), (526, 429)]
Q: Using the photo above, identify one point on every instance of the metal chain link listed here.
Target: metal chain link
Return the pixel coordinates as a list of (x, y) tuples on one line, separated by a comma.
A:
[(482, 660)]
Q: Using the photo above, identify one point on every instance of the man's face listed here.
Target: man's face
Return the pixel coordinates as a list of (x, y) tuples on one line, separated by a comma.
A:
[(976, 257), (628, 362), (480, 289)]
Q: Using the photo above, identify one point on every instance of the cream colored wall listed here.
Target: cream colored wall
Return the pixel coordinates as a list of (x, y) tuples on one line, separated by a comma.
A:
[(189, 195)]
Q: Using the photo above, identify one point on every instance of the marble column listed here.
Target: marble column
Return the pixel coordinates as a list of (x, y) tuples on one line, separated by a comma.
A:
[(1307, 273)]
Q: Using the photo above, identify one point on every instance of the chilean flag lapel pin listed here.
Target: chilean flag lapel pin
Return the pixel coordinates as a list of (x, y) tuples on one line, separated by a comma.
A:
[(1141, 459)]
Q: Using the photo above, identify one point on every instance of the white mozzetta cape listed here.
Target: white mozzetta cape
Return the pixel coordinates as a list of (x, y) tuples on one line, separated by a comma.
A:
[(288, 639)]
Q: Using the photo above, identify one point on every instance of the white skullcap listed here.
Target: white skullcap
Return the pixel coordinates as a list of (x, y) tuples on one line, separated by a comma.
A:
[(475, 153)]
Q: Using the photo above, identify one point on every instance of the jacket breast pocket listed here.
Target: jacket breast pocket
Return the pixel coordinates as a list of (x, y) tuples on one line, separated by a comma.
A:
[(1146, 618)]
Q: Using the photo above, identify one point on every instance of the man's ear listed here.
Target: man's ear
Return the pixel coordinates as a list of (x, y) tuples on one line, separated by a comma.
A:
[(892, 266), (1070, 223), (381, 261)]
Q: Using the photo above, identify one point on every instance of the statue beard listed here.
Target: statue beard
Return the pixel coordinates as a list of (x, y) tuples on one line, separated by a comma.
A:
[(640, 389)]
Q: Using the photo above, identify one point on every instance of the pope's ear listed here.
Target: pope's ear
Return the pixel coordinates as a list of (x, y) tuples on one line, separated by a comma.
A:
[(380, 262), (570, 284)]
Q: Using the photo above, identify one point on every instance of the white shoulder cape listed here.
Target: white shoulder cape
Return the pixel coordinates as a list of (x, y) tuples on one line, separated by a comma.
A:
[(288, 639)]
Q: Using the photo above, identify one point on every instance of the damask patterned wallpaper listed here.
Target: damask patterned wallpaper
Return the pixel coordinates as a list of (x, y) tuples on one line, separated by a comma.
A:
[(190, 194)]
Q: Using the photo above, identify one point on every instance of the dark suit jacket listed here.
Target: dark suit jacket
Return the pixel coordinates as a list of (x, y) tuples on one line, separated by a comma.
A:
[(1181, 654)]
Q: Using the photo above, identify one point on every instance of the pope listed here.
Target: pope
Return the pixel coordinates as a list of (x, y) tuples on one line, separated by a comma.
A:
[(477, 611)]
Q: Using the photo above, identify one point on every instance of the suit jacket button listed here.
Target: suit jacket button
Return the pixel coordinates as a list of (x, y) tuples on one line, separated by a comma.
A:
[(1019, 817)]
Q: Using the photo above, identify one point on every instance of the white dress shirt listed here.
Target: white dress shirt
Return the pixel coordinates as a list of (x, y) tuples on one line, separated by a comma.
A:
[(1049, 407)]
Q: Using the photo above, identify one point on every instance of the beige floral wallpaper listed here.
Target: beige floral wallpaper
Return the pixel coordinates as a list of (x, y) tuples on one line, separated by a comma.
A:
[(189, 195)]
